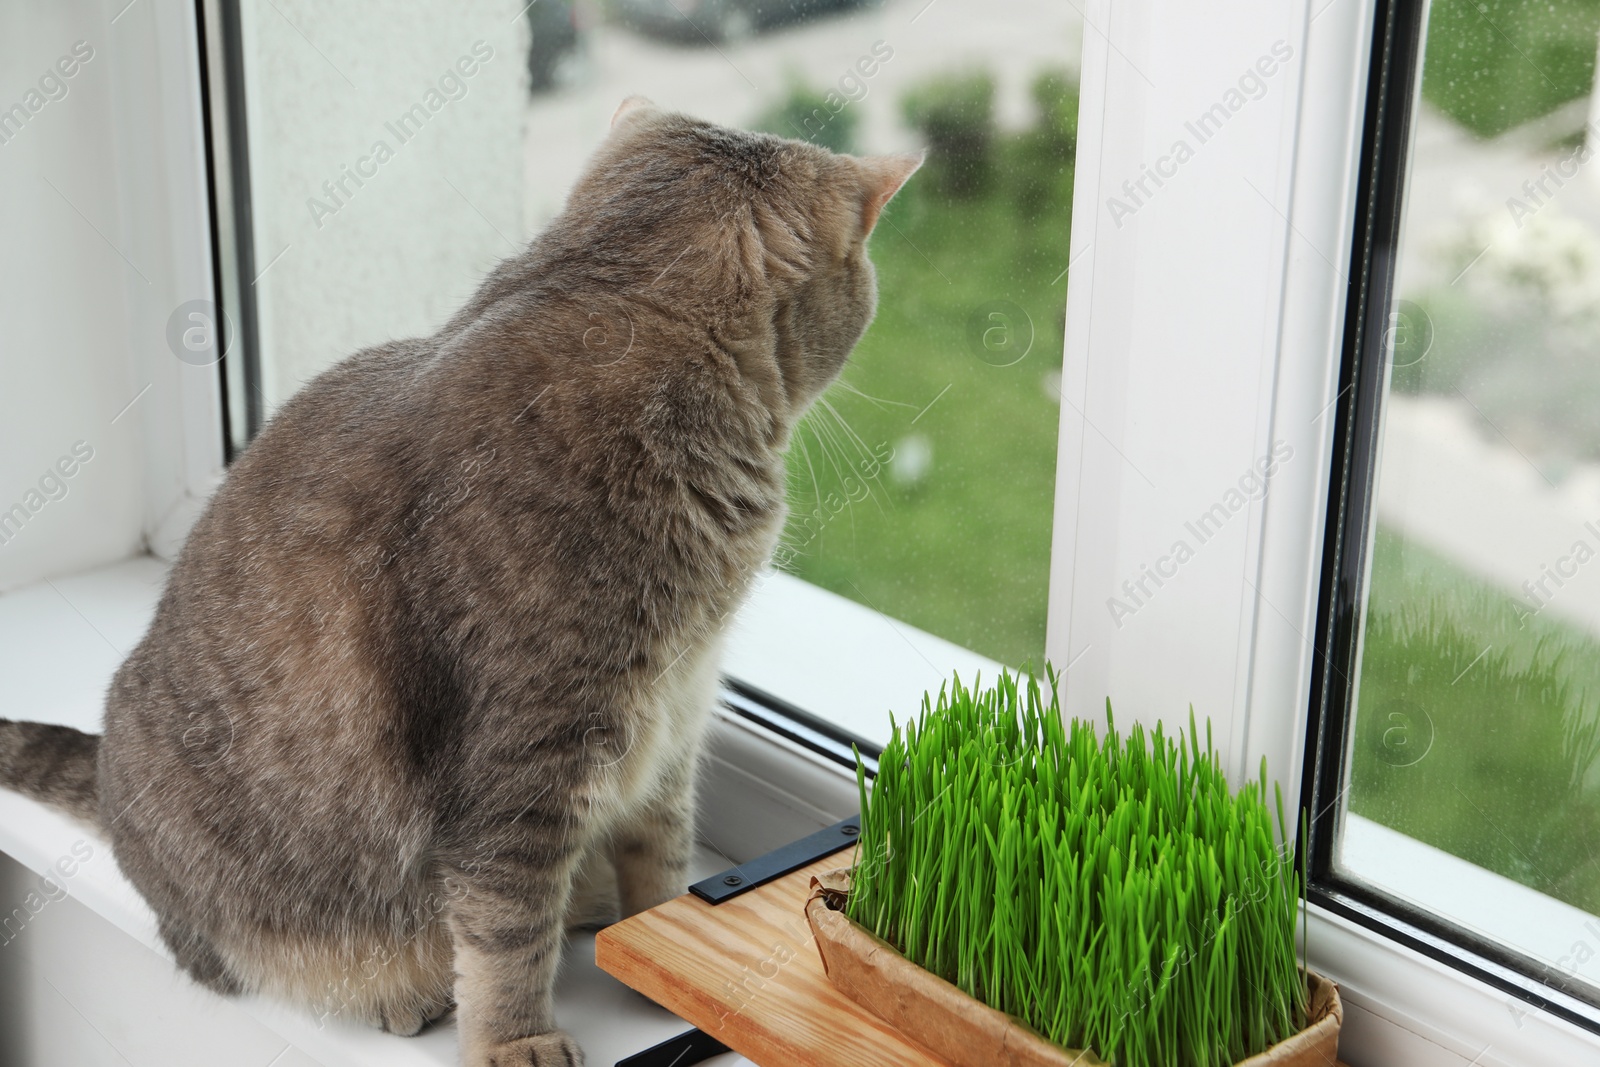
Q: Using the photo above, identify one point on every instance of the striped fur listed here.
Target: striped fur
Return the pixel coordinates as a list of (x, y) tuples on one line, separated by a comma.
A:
[(444, 644)]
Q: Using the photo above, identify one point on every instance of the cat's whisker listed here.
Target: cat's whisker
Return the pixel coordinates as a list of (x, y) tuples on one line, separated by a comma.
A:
[(858, 473), (816, 487), (855, 438), (840, 447), (879, 401), (819, 426), (838, 450), (833, 454), (833, 457), (869, 461)]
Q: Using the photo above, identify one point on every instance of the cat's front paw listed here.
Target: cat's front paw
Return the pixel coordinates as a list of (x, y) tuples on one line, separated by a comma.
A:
[(554, 1049), (593, 912), (411, 1020)]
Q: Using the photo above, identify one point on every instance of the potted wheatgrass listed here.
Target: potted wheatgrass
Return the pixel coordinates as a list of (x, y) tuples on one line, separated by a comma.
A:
[(1027, 892)]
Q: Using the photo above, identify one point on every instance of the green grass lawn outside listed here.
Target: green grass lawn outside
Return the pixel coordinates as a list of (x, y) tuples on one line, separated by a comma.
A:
[(1475, 726), (1476, 722), (953, 534)]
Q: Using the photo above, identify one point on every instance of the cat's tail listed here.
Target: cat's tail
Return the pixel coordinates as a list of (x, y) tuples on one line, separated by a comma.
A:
[(52, 764)]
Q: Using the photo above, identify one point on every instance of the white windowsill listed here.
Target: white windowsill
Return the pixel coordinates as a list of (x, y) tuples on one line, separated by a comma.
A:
[(874, 664), (60, 642), (1561, 937)]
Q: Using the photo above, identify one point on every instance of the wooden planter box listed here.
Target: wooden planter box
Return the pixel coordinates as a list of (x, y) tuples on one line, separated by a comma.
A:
[(967, 1033)]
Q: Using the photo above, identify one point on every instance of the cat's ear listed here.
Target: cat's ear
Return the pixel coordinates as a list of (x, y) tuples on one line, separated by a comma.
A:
[(631, 108), (881, 178)]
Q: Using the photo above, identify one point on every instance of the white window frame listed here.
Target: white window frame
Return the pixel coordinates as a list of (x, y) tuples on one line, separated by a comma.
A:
[(153, 419), (1228, 633), (165, 201), (1262, 312)]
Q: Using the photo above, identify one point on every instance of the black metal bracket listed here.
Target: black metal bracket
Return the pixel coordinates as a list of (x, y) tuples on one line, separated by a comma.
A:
[(779, 862), (691, 1047)]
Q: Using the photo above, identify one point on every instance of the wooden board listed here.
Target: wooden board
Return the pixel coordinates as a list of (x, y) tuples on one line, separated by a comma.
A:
[(747, 972)]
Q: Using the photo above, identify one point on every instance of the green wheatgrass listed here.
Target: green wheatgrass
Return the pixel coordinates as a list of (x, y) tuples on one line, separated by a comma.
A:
[(1114, 895)]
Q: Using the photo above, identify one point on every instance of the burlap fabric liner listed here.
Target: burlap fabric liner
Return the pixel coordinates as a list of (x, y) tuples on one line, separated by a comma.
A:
[(967, 1033)]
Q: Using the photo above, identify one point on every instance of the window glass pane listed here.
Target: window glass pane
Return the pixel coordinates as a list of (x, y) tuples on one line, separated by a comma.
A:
[(922, 486), (1477, 725)]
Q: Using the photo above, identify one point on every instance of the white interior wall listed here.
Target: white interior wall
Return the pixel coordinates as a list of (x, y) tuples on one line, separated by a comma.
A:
[(68, 286)]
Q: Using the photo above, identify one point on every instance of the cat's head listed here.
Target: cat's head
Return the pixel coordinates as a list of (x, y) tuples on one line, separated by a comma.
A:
[(760, 238)]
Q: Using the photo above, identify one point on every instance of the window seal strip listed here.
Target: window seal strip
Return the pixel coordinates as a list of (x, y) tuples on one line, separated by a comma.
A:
[(792, 723), (227, 154)]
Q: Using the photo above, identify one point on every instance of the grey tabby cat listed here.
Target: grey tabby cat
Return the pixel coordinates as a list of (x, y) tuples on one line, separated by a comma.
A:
[(443, 646)]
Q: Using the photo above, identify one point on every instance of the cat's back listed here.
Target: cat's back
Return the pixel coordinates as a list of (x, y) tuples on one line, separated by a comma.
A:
[(544, 470)]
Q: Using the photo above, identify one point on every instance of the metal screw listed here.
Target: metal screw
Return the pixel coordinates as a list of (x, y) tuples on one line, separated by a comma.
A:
[(733, 879)]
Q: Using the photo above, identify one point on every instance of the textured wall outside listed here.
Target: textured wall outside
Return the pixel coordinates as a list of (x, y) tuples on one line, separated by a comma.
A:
[(386, 152)]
